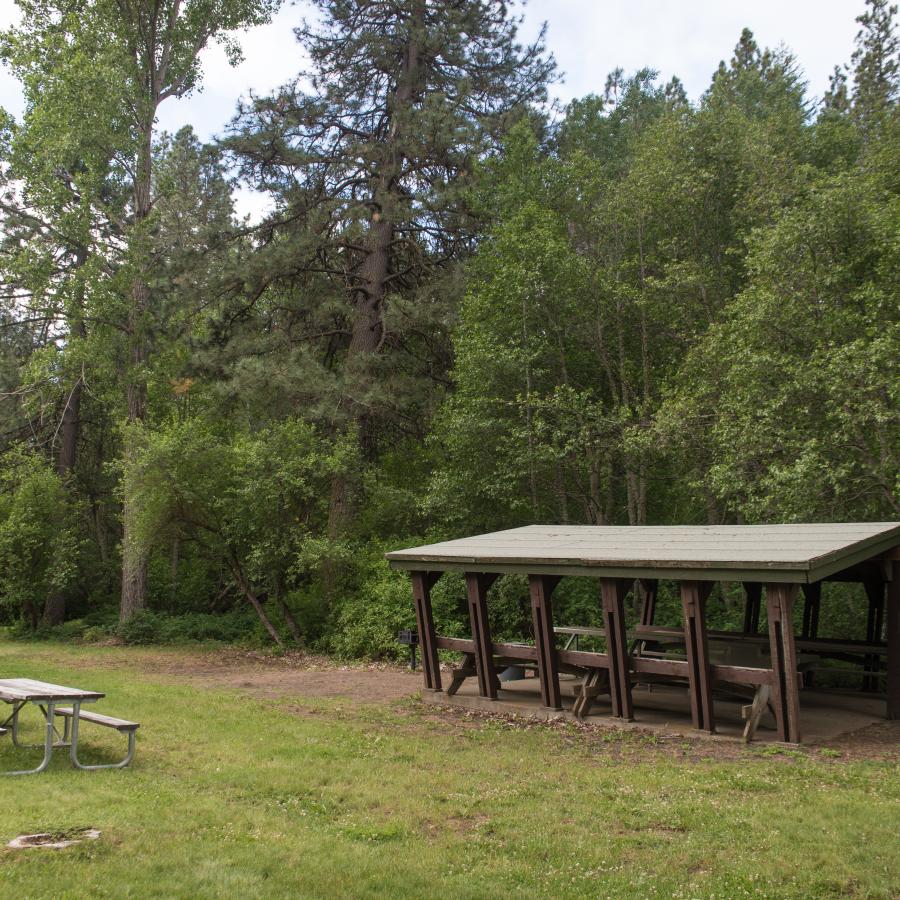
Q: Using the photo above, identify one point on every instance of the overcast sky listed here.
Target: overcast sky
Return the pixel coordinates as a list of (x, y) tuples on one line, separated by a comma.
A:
[(588, 37)]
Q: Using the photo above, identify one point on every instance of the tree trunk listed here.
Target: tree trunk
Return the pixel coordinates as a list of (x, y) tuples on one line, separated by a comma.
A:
[(247, 590), (368, 296), (55, 604), (174, 562), (134, 553), (289, 619), (69, 431)]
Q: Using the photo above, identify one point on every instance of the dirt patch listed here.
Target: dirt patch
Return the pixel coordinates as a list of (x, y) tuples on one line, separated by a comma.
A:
[(881, 740), (53, 840), (268, 675), (355, 685)]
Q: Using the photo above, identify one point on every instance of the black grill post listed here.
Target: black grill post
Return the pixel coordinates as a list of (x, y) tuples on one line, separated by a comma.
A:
[(410, 638)]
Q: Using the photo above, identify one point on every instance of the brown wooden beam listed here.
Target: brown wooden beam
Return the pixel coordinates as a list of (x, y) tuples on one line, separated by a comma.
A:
[(874, 570), (422, 582), (785, 683), (612, 592), (541, 587), (693, 607), (460, 645), (753, 593), (812, 602), (477, 584), (650, 589), (893, 643), (586, 658), (875, 593)]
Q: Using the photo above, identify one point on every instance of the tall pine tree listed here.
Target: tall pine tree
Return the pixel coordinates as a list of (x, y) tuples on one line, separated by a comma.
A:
[(368, 155)]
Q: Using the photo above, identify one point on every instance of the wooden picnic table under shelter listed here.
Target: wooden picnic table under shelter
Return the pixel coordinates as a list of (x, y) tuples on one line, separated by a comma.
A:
[(773, 563)]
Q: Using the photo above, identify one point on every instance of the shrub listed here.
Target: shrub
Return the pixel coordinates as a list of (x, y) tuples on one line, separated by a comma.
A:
[(38, 546)]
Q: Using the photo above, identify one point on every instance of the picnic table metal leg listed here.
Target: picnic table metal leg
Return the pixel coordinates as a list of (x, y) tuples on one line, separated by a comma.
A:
[(541, 590), (693, 604), (49, 735), (14, 731), (14, 722), (613, 591), (422, 582), (477, 585), (785, 688), (73, 749)]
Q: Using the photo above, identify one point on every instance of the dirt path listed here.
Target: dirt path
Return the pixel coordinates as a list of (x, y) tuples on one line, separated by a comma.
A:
[(264, 675), (297, 675)]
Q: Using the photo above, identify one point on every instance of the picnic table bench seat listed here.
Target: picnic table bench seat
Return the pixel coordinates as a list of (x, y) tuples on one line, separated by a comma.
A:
[(99, 719), (123, 726)]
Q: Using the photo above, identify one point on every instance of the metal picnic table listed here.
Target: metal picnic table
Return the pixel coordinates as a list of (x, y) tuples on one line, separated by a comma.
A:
[(18, 692)]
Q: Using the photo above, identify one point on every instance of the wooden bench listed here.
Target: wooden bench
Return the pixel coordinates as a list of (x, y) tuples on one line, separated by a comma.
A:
[(574, 632), (123, 726)]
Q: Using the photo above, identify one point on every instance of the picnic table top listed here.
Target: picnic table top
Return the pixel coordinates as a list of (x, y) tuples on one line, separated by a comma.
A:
[(787, 553), (12, 689)]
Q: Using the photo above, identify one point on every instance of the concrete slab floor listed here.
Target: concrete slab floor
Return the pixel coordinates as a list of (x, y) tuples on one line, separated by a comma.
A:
[(823, 716)]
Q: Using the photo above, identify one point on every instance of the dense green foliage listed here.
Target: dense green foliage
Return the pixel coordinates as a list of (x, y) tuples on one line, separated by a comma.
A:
[(462, 314)]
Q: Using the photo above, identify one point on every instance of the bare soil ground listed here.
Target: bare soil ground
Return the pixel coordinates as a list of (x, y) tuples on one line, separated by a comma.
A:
[(297, 675)]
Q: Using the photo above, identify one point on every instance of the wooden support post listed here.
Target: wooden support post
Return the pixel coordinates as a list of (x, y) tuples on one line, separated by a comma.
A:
[(874, 624), (893, 643), (785, 687), (541, 589), (650, 589), (422, 582), (812, 600), (595, 682), (477, 585), (466, 670), (693, 606), (753, 591), (613, 591)]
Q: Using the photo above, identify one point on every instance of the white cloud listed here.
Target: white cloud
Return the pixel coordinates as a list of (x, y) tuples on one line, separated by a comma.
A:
[(10, 95), (272, 57), (255, 205), (687, 38), (589, 38)]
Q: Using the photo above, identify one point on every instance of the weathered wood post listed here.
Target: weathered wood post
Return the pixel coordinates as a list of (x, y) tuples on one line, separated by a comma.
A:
[(541, 587), (477, 584), (785, 688), (875, 593), (893, 640), (612, 592), (422, 583), (693, 607), (812, 602), (753, 592)]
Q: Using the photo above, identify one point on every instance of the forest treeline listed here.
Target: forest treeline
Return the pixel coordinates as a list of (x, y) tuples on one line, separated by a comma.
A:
[(465, 310)]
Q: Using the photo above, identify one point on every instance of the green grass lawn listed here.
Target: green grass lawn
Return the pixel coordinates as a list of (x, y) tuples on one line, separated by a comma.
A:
[(238, 797)]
